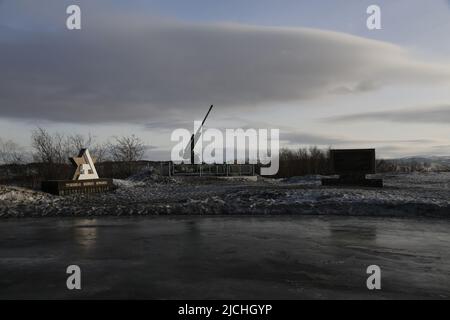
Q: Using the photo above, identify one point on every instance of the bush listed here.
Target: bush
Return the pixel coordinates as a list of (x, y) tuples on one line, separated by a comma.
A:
[(303, 161)]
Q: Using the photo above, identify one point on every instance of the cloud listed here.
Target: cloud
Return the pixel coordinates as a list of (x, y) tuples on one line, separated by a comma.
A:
[(169, 125), (132, 68), (435, 114), (301, 138)]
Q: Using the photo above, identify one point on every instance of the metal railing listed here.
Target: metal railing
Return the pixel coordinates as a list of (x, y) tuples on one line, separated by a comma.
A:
[(215, 170)]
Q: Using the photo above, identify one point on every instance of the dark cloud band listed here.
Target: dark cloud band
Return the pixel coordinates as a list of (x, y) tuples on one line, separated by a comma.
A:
[(128, 69)]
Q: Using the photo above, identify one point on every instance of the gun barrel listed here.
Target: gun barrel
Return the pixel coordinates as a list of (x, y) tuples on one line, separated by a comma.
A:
[(203, 122), (189, 150)]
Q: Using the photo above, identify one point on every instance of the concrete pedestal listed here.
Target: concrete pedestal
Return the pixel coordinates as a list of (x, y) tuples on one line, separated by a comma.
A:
[(65, 187), (353, 181)]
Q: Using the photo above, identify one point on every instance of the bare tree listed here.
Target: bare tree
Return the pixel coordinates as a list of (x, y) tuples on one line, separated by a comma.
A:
[(100, 151), (11, 152), (57, 148), (76, 142), (48, 148), (127, 148)]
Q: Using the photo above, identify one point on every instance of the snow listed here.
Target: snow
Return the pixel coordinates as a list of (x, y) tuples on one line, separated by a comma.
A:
[(21, 195), (413, 194)]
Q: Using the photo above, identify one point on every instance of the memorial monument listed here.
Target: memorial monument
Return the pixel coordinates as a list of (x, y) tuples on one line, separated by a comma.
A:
[(85, 178), (352, 166)]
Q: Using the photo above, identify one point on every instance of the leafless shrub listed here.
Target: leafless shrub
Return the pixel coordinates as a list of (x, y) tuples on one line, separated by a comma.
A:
[(303, 161), (57, 148), (11, 153), (100, 151), (48, 148), (410, 165), (76, 142), (127, 148)]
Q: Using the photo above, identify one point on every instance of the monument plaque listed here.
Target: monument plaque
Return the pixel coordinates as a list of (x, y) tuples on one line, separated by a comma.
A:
[(352, 166), (85, 178)]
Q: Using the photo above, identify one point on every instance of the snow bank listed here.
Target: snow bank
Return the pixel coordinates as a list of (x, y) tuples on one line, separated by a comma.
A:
[(417, 194)]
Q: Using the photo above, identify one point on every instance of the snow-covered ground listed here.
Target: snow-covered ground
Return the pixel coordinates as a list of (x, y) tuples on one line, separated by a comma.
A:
[(414, 194)]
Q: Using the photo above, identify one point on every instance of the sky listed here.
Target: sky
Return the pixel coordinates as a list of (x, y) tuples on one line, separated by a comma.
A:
[(309, 68)]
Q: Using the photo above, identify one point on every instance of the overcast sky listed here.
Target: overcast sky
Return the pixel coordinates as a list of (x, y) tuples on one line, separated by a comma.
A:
[(310, 68)]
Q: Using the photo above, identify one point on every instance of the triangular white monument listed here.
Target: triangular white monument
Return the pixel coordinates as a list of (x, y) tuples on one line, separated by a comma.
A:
[(85, 166)]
